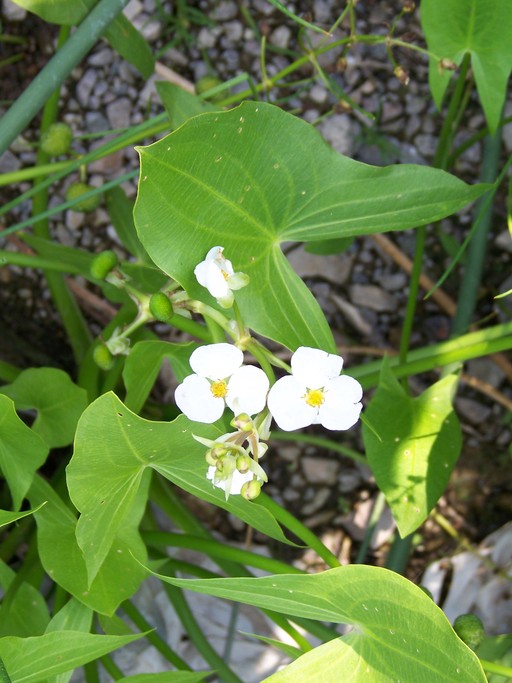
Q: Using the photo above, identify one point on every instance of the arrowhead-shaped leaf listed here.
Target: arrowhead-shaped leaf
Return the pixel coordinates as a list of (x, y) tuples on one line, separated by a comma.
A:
[(414, 447), (399, 632), (59, 402), (253, 177), (21, 451), (114, 448), (480, 28)]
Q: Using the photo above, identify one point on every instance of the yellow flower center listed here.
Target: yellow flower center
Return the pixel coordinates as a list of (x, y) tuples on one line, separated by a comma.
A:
[(219, 388), (314, 397), (225, 274)]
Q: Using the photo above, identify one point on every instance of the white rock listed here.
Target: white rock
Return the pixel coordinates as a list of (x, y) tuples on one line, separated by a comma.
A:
[(320, 470), (339, 131), (118, 112), (372, 297), (13, 12)]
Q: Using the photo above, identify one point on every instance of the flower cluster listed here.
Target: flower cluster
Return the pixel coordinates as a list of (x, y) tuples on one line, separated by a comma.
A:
[(314, 393)]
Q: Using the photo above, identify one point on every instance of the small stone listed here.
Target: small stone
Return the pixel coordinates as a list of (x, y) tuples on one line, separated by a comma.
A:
[(486, 370), (320, 470), (85, 86), (472, 411), (393, 282), (133, 9), (414, 105), (233, 31), (103, 57), (372, 297), (9, 162), (280, 37), (74, 219), (224, 10), (339, 132), (320, 498), (335, 267), (13, 12), (96, 122), (151, 31), (118, 113), (504, 241), (318, 94), (352, 315), (207, 37), (426, 144), (348, 481)]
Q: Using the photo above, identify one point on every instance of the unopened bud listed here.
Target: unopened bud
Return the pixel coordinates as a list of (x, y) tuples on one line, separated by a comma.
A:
[(103, 263), (470, 630), (56, 140), (402, 75), (250, 490), (242, 422), (160, 307), (226, 465), (76, 190), (447, 64), (243, 463), (408, 6), (341, 64), (102, 357)]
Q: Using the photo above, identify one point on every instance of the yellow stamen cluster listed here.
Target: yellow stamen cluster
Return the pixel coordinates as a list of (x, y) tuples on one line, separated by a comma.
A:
[(219, 388), (314, 397)]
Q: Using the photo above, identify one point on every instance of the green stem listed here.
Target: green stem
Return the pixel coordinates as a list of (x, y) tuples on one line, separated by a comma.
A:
[(466, 347), (298, 529), (57, 70), (412, 298), (32, 261), (91, 672), (152, 636), (111, 667), (197, 636), (477, 250), (495, 668), (319, 441), (216, 550)]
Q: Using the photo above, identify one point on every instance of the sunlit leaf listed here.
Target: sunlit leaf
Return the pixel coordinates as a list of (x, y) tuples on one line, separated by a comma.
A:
[(399, 633), (254, 177), (412, 447), (481, 29)]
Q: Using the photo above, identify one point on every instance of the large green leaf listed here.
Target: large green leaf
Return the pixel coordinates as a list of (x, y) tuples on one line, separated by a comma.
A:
[(7, 517), (30, 660), (480, 28), (119, 576), (414, 447), (23, 613), (21, 451), (253, 177), (113, 449), (143, 365), (399, 633), (59, 402)]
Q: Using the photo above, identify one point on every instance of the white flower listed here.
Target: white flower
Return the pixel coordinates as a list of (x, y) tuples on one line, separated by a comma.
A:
[(315, 392), (217, 275), (234, 483), (220, 379)]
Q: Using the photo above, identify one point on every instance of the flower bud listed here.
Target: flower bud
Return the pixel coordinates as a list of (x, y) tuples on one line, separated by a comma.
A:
[(226, 465), (160, 307), (402, 75), (408, 5), (243, 463), (251, 490), (118, 346), (447, 64), (102, 357), (77, 190), (56, 140), (470, 630), (103, 264), (242, 422)]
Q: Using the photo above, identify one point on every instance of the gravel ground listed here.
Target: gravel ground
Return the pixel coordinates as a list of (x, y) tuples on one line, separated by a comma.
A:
[(363, 291)]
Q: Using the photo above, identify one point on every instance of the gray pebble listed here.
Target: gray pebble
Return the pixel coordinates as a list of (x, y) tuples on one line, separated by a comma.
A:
[(372, 297), (280, 37), (225, 10), (85, 86), (118, 113), (96, 122), (338, 131), (472, 411), (103, 57), (320, 497), (233, 31), (320, 470)]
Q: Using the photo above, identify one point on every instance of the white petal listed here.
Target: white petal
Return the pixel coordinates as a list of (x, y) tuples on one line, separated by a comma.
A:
[(235, 482), (213, 253), (201, 272), (216, 361), (314, 367), (216, 283), (342, 405), (287, 406), (247, 390), (194, 398)]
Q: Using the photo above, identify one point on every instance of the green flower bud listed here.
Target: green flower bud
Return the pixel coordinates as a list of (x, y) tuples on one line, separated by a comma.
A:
[(470, 630), (242, 422), (160, 307), (56, 140), (77, 190), (250, 490), (243, 463), (102, 357), (103, 264)]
